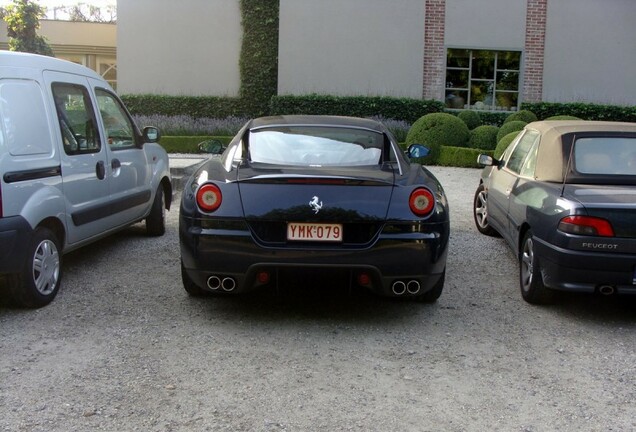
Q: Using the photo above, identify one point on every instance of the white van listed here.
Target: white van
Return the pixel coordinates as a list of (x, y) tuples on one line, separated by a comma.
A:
[(74, 167)]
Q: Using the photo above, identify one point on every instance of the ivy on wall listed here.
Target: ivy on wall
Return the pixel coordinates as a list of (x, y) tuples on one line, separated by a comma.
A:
[(258, 62)]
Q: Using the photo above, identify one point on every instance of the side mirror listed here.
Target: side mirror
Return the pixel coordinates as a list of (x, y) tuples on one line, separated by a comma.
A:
[(151, 134), (417, 151), (484, 159), (211, 147)]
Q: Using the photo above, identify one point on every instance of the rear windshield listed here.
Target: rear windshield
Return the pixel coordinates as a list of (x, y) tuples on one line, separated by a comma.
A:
[(605, 155), (317, 146)]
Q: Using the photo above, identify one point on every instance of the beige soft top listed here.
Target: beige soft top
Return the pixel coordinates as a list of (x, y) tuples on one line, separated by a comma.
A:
[(556, 141)]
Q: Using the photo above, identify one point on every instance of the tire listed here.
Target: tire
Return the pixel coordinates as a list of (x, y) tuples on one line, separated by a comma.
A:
[(191, 288), (480, 212), (530, 281), (156, 220), (433, 294), (39, 281)]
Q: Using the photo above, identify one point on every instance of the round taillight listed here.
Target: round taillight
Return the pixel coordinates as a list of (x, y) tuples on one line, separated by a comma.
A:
[(421, 202), (209, 197)]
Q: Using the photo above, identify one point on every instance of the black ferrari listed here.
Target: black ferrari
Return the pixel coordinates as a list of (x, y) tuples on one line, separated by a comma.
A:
[(334, 195)]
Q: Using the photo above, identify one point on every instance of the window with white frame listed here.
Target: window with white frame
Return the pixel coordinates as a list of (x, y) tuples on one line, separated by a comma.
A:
[(482, 79), (108, 70)]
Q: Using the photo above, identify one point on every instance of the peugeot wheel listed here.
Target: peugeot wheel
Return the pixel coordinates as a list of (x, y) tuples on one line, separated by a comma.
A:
[(530, 281), (480, 212)]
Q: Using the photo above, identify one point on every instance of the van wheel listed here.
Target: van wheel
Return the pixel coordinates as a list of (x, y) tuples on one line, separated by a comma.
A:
[(38, 283), (530, 282), (156, 220)]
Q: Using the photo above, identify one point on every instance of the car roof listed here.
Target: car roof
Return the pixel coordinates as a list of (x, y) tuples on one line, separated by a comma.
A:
[(40, 62), (554, 151), (316, 120)]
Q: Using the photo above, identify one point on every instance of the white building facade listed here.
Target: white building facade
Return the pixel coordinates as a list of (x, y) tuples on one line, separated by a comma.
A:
[(486, 54)]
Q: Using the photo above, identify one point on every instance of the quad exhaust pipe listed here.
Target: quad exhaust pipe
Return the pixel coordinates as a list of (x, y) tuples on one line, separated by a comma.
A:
[(402, 287), (226, 284)]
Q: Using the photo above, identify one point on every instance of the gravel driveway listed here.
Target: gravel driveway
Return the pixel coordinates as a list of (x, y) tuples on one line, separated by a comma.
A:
[(123, 348)]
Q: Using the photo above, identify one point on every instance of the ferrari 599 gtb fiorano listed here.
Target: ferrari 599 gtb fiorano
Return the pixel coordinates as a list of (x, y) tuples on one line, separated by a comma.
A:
[(299, 193)]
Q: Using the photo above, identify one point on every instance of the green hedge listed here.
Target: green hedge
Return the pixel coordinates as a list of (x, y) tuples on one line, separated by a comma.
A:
[(495, 118), (460, 156), (194, 106), (436, 130), (523, 115), (258, 62), (357, 106), (219, 107), (483, 137), (585, 111), (470, 117), (188, 144)]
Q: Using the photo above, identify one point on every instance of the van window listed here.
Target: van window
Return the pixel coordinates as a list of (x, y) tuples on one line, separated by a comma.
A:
[(118, 127), (76, 117), (24, 123)]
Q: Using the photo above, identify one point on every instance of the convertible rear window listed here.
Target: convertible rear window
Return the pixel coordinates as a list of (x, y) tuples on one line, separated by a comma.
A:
[(605, 155), (318, 146)]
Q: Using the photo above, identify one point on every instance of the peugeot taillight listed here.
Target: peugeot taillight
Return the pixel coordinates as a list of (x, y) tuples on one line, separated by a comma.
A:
[(587, 226), (422, 202), (209, 197)]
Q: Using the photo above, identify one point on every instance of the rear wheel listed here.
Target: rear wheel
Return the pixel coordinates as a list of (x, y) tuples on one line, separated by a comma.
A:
[(480, 212), (530, 281), (433, 294), (156, 220), (191, 288), (38, 283)]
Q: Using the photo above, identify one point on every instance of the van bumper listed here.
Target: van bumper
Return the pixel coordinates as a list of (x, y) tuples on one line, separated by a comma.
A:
[(15, 236)]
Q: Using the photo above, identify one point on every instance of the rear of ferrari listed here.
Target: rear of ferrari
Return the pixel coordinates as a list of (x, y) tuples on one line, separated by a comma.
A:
[(314, 199)]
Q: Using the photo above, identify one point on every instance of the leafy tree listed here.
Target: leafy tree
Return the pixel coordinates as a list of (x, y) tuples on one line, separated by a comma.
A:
[(86, 13), (23, 20)]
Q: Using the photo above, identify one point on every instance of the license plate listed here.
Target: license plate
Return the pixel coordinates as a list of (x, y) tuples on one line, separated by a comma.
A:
[(317, 232)]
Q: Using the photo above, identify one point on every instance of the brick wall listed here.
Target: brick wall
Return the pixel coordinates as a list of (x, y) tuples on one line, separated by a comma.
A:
[(434, 52), (534, 50)]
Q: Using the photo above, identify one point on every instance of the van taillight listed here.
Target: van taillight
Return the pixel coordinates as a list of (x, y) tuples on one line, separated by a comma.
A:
[(1, 200)]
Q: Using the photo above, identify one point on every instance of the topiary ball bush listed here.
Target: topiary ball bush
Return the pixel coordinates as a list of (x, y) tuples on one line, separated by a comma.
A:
[(503, 144), (436, 130), (512, 126), (523, 115), (471, 118), (483, 137), (563, 117)]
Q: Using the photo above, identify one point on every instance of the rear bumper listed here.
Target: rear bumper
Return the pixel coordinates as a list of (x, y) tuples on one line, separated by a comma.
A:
[(15, 236), (419, 257), (569, 270)]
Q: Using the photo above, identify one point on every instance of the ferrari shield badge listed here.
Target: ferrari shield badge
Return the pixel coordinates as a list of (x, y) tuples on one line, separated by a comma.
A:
[(315, 204)]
